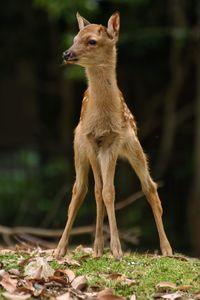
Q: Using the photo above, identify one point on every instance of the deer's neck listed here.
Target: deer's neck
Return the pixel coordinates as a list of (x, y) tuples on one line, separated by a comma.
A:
[(102, 85)]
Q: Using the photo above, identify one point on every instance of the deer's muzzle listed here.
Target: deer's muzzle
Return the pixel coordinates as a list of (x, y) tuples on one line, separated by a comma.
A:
[(69, 55)]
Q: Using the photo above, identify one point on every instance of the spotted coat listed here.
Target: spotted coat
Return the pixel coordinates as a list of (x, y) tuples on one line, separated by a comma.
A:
[(126, 114)]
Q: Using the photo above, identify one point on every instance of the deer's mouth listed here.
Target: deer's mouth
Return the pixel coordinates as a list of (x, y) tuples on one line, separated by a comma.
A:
[(70, 61)]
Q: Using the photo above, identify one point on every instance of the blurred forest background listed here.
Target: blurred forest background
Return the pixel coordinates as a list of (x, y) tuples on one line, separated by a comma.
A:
[(40, 100)]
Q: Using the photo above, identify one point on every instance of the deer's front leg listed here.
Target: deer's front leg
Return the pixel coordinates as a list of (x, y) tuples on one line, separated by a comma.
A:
[(78, 195), (100, 207), (108, 164), (99, 239)]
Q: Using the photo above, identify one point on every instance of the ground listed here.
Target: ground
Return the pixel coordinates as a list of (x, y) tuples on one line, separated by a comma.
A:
[(35, 274)]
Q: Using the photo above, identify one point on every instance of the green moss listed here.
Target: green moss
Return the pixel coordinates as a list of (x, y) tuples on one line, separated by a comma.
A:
[(138, 274), (145, 271)]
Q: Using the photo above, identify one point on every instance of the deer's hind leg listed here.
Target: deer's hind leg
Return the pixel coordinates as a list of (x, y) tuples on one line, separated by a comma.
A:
[(135, 155), (78, 194)]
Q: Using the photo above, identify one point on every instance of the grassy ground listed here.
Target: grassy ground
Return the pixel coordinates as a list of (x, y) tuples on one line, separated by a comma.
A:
[(145, 276), (145, 272)]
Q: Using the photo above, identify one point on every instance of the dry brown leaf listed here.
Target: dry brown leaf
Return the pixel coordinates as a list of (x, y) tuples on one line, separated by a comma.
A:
[(39, 268), (107, 291), (65, 296), (79, 283), (2, 272), (184, 288), (87, 250), (180, 257), (14, 272), (114, 276), (20, 296), (66, 272), (128, 282), (110, 297), (58, 279), (166, 285), (8, 283), (121, 279), (197, 296), (158, 295), (6, 251), (107, 294), (68, 261), (47, 252), (84, 257), (91, 295), (172, 296)]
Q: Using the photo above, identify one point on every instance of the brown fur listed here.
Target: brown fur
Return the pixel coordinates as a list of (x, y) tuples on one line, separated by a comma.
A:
[(106, 131)]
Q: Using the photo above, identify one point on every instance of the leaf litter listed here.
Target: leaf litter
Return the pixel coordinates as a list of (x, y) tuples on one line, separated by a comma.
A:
[(36, 274)]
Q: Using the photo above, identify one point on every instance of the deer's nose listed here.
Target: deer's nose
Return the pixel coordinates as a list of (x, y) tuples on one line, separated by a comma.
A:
[(68, 54)]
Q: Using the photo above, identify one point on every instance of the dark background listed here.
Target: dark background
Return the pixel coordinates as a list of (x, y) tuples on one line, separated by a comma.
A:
[(40, 100)]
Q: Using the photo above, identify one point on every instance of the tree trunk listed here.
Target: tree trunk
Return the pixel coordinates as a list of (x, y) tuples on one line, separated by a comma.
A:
[(194, 201), (178, 72)]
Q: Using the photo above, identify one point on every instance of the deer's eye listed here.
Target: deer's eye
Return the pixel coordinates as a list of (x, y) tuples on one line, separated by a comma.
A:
[(92, 42)]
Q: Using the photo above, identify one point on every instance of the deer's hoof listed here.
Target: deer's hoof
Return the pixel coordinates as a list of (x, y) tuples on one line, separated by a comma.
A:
[(166, 249), (59, 252), (98, 248), (116, 249)]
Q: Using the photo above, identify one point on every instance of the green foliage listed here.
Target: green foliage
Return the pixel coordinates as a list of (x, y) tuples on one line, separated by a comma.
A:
[(24, 191), (66, 8)]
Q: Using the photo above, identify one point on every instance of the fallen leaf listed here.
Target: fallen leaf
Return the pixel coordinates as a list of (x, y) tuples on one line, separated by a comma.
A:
[(79, 283), (6, 251), (111, 297), (66, 272), (87, 250), (8, 283), (14, 272), (68, 261), (39, 268), (180, 257), (197, 296), (158, 295), (114, 276), (172, 296), (184, 288), (128, 282), (91, 295), (2, 272), (107, 294), (84, 257), (65, 296), (121, 279), (16, 296), (166, 285), (107, 291), (48, 252)]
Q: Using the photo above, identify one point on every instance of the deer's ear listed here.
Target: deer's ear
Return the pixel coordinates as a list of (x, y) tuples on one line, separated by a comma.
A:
[(82, 22), (114, 25)]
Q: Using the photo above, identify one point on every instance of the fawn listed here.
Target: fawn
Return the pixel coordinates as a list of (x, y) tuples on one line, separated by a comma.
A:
[(106, 131)]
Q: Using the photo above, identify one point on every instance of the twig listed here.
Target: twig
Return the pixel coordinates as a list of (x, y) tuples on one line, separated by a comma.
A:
[(43, 232), (132, 198)]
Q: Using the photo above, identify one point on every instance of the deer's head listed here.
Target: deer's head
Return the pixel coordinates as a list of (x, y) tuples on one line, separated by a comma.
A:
[(94, 44)]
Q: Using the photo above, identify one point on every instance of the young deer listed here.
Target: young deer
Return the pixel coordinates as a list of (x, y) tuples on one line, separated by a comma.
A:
[(106, 131)]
